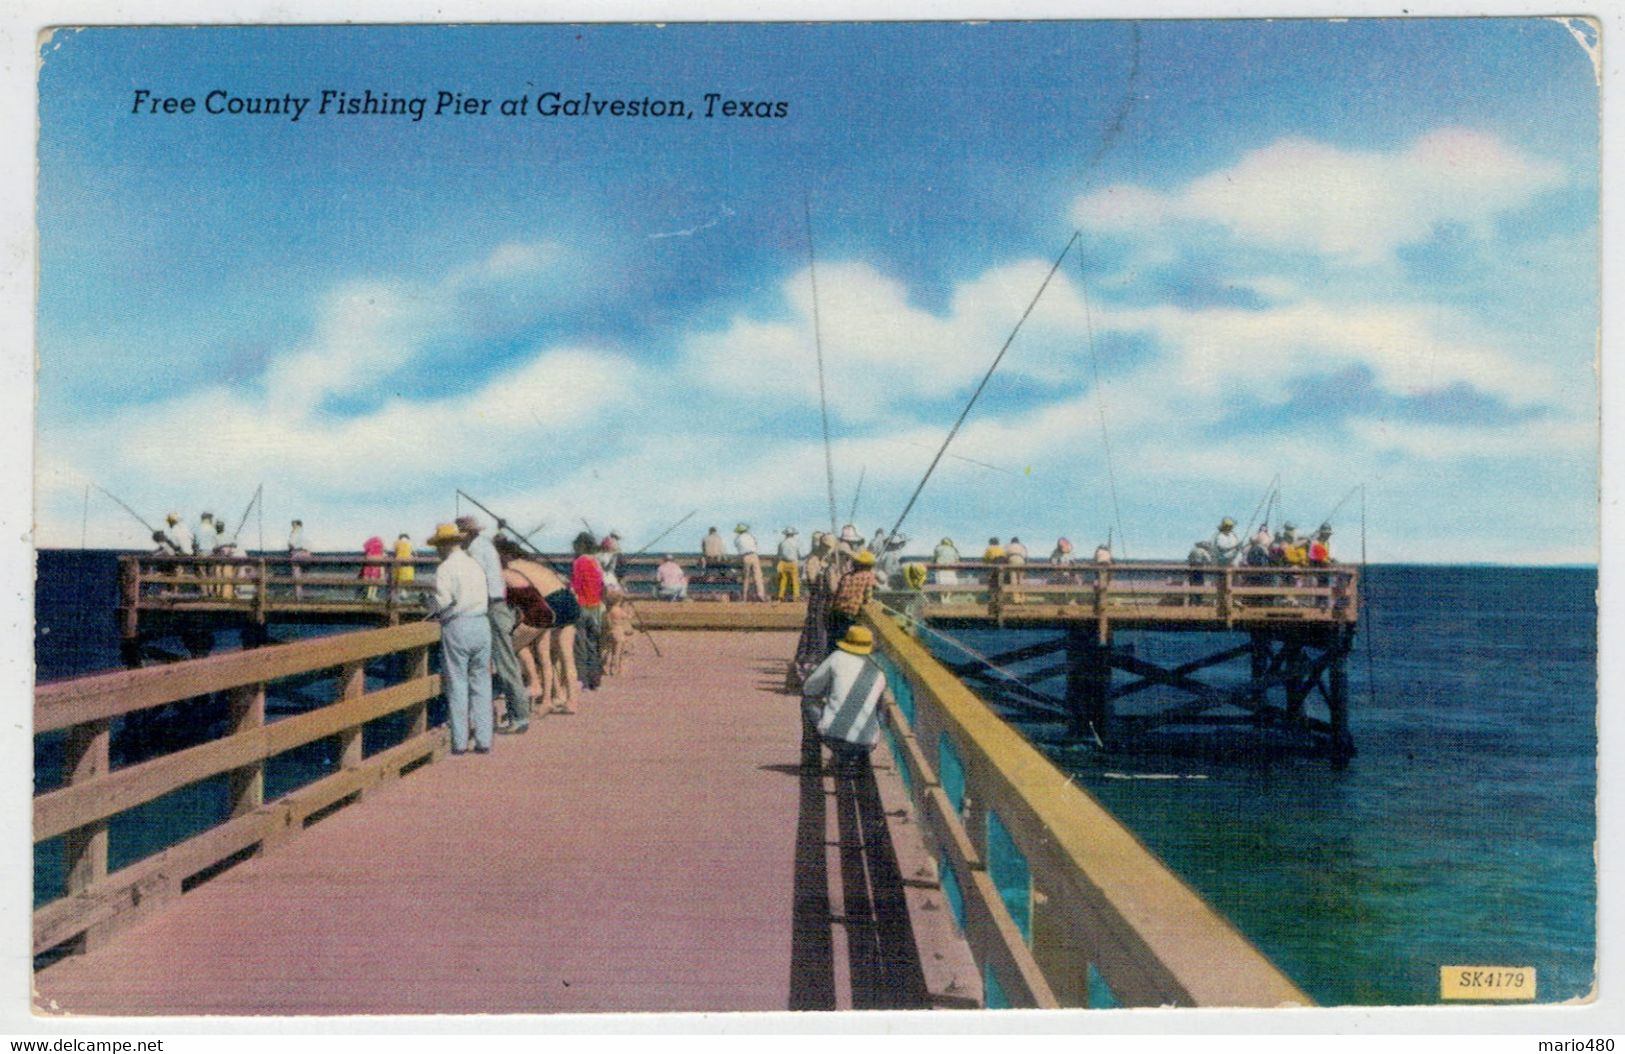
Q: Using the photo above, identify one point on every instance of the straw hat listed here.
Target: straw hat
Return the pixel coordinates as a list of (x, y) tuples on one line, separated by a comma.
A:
[(858, 640), (741, 528), (445, 534), (790, 532), (468, 525), (864, 558), (849, 533)]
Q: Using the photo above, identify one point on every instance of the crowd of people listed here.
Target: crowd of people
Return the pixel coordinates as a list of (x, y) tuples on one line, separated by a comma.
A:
[(1282, 548), (514, 626), (520, 636)]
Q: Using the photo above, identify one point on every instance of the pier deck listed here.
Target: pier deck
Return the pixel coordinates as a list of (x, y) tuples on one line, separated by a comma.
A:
[(662, 850)]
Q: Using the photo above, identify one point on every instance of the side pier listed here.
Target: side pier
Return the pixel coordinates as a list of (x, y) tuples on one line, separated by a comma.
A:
[(1299, 625)]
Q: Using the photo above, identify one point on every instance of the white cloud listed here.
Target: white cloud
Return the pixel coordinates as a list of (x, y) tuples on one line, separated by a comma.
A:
[(881, 351), (574, 429), (1410, 349), (1301, 195)]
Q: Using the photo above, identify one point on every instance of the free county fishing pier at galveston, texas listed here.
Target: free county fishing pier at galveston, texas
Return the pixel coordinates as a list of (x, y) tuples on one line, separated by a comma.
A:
[(677, 845)]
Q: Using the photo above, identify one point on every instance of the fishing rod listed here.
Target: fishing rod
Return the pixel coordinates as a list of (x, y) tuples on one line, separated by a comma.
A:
[(1263, 503), (985, 378), (852, 516), (503, 525), (1344, 501), (246, 510), (126, 508), (818, 345), (665, 532)]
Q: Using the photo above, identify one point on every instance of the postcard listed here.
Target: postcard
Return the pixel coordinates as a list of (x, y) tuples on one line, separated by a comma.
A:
[(809, 518)]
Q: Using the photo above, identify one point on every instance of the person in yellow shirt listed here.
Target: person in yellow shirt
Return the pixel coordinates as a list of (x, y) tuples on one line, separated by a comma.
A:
[(404, 572)]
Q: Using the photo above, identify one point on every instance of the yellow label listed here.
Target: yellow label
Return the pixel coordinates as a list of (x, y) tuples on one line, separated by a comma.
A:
[(1487, 982)]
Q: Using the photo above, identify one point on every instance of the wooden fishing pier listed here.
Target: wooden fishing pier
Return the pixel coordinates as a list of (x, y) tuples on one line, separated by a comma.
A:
[(675, 846), (1299, 625)]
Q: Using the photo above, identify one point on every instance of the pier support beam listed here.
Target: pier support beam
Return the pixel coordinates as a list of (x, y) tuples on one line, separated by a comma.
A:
[(1337, 704), (1088, 681)]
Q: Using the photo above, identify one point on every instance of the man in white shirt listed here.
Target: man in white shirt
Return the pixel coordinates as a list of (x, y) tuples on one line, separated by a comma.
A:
[(750, 564), (841, 698), (296, 553), (179, 535), (460, 603), (1225, 545), (503, 619), (206, 538)]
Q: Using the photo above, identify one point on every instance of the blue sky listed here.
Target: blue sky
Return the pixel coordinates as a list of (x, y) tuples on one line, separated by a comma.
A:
[(1341, 252)]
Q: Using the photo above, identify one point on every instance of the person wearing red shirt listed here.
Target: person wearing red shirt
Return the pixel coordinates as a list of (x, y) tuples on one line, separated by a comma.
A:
[(587, 582)]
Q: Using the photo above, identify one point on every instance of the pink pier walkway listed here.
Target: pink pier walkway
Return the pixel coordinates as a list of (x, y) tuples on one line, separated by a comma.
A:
[(662, 850)]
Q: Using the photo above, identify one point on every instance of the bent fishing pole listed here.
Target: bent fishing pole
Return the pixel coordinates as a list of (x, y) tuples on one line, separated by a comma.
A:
[(502, 525), (1344, 501), (818, 345), (977, 394), (126, 508), (665, 532), (246, 510)]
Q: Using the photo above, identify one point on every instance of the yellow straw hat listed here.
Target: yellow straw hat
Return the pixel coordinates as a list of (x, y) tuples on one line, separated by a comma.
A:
[(858, 640), (446, 532), (864, 558)]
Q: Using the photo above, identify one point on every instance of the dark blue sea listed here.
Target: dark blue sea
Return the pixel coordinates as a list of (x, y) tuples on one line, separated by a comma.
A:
[(1461, 833)]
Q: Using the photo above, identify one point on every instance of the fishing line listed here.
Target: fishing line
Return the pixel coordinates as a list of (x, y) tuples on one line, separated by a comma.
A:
[(954, 642), (985, 378), (974, 654), (818, 345), (1363, 598), (1100, 390), (852, 516), (960, 457)]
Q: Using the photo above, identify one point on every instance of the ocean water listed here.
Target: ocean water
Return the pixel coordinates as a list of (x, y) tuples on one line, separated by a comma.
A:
[(1461, 833)]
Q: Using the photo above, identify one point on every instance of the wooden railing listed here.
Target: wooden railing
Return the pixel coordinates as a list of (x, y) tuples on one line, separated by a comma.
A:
[(97, 901), (263, 584), (1146, 592), (1090, 916)]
